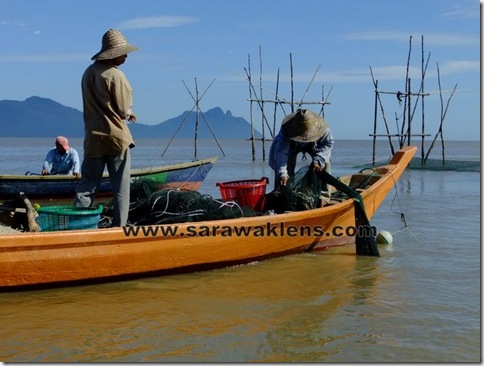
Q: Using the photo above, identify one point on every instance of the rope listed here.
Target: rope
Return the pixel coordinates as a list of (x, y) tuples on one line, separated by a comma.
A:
[(374, 161), (160, 213), (402, 215), (192, 174), (229, 204), (364, 183)]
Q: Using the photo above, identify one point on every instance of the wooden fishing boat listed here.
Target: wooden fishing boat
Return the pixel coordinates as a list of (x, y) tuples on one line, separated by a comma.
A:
[(189, 175), (44, 259)]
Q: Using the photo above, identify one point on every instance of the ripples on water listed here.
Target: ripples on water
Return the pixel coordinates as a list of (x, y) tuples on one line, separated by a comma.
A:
[(418, 302)]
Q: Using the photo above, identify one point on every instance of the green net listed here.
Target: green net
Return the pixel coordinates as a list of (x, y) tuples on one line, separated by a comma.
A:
[(365, 243), (302, 192)]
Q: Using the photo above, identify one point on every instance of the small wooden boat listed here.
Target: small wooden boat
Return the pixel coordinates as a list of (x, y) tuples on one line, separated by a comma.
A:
[(44, 259), (188, 175)]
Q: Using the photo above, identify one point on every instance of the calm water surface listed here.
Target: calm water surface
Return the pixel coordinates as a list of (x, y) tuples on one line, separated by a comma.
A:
[(418, 302)]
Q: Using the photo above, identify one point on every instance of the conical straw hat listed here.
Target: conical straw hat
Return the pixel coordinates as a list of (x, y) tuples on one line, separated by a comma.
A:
[(113, 45), (304, 126)]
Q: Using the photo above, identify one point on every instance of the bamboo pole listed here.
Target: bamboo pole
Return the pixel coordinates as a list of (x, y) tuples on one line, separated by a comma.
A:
[(196, 117), (275, 104), (262, 106), (443, 113), (281, 102), (321, 111), (407, 87), (377, 95), (213, 133), (422, 88), (323, 100), (373, 155), (177, 130), (307, 89), (409, 106), (396, 134), (399, 93), (251, 110), (292, 83)]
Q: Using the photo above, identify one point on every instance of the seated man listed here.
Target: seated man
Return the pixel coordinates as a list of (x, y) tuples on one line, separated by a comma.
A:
[(63, 160)]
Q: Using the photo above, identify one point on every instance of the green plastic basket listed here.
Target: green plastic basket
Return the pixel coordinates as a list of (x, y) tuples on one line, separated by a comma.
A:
[(57, 218)]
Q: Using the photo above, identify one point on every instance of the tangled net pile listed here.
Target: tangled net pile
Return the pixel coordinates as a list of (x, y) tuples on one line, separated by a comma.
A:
[(302, 192), (150, 206)]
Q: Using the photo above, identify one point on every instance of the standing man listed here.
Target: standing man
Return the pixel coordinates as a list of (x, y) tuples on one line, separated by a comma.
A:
[(63, 160), (107, 103), (302, 131)]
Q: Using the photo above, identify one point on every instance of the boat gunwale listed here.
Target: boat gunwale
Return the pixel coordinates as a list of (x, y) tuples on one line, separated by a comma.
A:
[(134, 172)]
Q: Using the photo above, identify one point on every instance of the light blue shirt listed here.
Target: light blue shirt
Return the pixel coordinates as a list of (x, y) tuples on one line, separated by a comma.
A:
[(66, 164), (282, 148)]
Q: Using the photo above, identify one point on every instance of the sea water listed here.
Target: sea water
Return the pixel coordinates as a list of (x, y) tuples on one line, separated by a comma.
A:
[(418, 302)]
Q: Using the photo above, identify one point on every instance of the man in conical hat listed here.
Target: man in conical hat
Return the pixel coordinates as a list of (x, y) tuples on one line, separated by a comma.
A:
[(107, 103), (301, 132)]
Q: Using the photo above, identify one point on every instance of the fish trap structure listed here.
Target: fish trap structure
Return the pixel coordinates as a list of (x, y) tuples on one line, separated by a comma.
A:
[(276, 103)]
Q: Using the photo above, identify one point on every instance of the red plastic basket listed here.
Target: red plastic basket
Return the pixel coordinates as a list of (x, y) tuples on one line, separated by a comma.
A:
[(251, 193)]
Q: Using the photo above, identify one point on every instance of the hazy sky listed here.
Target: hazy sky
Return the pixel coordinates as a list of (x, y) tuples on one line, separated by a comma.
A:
[(46, 45)]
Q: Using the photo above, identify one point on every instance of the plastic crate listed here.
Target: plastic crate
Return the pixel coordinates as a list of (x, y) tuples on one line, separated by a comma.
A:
[(250, 193), (57, 218)]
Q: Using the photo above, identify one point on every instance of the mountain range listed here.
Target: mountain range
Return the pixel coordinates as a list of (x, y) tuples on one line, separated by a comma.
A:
[(43, 117)]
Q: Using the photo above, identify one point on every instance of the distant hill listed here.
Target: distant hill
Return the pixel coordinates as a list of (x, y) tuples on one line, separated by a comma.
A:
[(223, 125), (39, 117), (42, 117)]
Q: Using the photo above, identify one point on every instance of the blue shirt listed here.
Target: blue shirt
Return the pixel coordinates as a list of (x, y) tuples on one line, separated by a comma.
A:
[(66, 164), (283, 147)]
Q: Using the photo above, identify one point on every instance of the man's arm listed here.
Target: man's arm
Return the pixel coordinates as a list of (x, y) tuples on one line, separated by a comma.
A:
[(322, 152)]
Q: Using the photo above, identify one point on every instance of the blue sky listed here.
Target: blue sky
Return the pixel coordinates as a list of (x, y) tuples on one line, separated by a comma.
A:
[(46, 45)]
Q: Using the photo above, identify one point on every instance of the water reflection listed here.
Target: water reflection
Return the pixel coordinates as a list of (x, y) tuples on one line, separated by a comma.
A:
[(269, 311)]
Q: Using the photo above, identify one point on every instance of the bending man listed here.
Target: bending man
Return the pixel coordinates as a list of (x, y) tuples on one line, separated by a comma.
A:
[(302, 131)]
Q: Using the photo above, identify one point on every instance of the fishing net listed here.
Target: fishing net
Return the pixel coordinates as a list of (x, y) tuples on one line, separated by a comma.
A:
[(302, 192), (150, 205)]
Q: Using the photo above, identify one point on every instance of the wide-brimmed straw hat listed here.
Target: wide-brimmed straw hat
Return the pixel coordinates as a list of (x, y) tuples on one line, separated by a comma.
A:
[(304, 126), (113, 45)]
